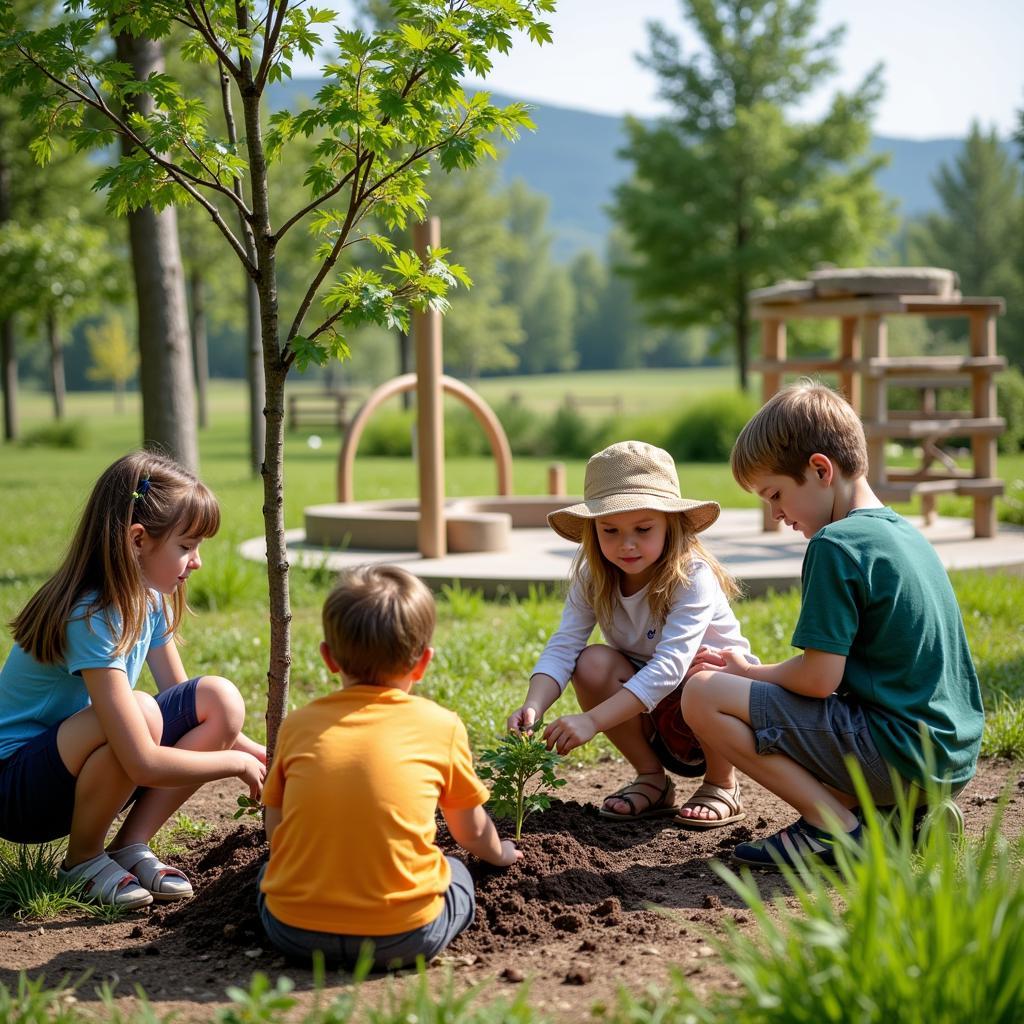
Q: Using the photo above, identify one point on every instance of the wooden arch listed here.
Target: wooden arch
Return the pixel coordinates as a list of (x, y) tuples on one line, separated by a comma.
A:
[(496, 436)]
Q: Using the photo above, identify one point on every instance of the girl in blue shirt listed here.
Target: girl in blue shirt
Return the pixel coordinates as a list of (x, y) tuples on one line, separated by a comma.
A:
[(77, 742)]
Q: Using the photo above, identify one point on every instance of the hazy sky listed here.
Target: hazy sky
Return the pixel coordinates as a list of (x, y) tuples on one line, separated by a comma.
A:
[(947, 62)]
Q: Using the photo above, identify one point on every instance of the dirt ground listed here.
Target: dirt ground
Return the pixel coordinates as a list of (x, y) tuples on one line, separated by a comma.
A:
[(593, 906)]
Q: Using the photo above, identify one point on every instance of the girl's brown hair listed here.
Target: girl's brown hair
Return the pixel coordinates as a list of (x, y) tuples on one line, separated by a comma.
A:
[(600, 579), (143, 488)]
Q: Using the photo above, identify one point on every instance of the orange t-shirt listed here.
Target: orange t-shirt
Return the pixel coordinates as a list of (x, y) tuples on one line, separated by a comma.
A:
[(358, 776)]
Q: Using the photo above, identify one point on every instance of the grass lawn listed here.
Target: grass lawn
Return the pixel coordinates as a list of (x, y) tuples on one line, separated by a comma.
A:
[(485, 650)]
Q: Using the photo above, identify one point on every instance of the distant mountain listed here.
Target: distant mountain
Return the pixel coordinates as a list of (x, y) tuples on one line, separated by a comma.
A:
[(573, 159)]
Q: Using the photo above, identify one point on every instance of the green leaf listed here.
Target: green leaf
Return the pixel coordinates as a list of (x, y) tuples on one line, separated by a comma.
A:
[(308, 352)]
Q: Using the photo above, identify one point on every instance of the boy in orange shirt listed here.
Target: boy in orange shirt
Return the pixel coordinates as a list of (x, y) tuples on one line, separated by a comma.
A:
[(354, 786)]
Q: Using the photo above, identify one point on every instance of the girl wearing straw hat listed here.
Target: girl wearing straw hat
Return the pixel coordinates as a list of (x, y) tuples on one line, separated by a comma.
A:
[(660, 598)]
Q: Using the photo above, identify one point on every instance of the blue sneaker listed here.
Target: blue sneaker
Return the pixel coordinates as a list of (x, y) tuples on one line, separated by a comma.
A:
[(799, 841)]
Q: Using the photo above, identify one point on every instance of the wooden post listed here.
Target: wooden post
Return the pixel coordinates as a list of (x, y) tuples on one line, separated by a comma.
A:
[(426, 327), (556, 479), (849, 351), (983, 404), (874, 398), (773, 347)]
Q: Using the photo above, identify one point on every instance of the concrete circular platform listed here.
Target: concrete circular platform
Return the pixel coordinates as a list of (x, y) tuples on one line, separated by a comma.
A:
[(761, 561)]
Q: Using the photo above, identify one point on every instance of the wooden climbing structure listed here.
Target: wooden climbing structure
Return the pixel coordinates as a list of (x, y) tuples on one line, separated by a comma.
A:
[(862, 301)]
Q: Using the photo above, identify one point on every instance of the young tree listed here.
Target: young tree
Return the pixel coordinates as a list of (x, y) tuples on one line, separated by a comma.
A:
[(727, 192), (55, 270), (27, 195), (389, 101), (979, 230), (114, 357)]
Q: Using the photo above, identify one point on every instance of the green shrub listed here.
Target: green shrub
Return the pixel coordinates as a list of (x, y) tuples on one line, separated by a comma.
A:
[(58, 434), (388, 434), (706, 430), (463, 434), (569, 434), (1010, 405), (521, 426)]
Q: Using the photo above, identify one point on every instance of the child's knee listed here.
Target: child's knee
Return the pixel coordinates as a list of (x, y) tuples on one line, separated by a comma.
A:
[(151, 712), (218, 701), (595, 665), (696, 699)]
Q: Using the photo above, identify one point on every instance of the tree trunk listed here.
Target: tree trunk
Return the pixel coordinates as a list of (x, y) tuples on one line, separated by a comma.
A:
[(165, 351), (118, 396), (8, 344), (275, 372), (56, 366), (200, 355), (255, 376)]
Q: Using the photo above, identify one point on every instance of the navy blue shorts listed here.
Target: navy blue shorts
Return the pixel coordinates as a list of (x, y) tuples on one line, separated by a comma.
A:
[(37, 792)]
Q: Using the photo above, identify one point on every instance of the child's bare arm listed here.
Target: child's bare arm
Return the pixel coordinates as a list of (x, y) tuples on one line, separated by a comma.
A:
[(812, 673), (571, 731), (271, 819), (473, 830), (542, 693)]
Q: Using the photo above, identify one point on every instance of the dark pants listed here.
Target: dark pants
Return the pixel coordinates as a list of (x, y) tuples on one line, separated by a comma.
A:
[(390, 952)]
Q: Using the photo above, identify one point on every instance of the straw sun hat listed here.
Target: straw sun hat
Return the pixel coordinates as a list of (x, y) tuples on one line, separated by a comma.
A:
[(627, 477)]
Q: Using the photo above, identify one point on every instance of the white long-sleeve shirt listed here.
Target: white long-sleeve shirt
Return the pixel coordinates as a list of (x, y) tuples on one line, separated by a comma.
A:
[(698, 616)]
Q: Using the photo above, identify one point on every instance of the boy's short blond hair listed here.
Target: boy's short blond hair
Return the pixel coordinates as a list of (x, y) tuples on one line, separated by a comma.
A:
[(803, 419), (378, 620)]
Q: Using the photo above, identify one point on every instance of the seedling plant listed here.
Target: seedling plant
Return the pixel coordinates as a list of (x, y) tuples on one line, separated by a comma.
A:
[(518, 760)]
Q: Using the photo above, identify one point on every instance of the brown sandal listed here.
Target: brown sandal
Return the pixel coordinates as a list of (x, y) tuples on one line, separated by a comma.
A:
[(714, 798), (662, 806)]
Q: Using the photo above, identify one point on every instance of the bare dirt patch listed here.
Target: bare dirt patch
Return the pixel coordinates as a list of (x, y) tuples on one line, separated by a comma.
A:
[(593, 906)]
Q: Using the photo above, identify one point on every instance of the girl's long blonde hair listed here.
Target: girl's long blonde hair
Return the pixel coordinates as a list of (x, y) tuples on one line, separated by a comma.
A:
[(600, 579), (101, 556)]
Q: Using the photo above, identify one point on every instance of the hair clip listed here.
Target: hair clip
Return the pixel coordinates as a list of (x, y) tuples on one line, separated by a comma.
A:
[(143, 489)]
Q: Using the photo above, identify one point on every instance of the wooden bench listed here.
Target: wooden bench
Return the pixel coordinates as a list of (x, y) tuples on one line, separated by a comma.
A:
[(321, 408), (610, 403)]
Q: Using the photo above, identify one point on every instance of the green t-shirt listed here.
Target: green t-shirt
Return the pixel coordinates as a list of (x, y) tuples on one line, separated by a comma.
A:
[(875, 591)]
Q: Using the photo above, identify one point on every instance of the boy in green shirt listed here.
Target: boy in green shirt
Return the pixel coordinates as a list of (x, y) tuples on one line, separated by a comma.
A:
[(885, 656)]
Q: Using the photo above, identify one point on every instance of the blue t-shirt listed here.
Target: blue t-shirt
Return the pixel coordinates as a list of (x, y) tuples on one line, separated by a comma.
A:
[(34, 696)]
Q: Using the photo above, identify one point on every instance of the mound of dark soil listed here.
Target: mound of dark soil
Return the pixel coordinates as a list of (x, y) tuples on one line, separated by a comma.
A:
[(580, 876)]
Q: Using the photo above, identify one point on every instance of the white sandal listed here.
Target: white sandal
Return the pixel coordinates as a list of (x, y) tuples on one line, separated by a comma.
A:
[(708, 795), (107, 882), (164, 883)]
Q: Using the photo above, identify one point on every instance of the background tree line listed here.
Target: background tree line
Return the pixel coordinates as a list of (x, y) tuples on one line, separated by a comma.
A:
[(728, 193)]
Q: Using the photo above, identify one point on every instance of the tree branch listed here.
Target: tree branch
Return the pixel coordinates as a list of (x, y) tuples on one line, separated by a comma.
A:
[(270, 39), (309, 207), (182, 177), (205, 28)]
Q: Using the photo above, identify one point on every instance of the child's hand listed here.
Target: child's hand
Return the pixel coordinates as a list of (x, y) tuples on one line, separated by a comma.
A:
[(569, 732), (734, 661), (509, 854), (252, 772), (522, 719), (705, 658)]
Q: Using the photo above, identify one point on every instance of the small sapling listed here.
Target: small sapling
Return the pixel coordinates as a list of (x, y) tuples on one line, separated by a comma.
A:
[(246, 805), (510, 766)]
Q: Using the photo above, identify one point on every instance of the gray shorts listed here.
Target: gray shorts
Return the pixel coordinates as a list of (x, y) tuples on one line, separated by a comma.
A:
[(818, 734), (389, 951)]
